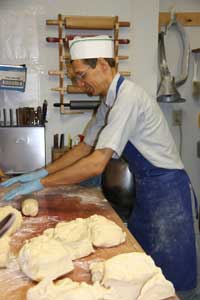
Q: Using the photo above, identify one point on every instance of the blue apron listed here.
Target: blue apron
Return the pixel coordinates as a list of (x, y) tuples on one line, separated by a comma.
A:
[(162, 220)]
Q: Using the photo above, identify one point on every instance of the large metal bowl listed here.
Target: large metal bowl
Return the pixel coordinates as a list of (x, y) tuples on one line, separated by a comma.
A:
[(118, 186)]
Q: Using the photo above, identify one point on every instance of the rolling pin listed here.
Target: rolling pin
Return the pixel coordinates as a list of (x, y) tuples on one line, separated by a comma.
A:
[(70, 37), (70, 89), (79, 104), (89, 22)]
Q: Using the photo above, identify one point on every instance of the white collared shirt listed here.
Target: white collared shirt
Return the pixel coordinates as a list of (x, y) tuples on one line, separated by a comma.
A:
[(133, 116)]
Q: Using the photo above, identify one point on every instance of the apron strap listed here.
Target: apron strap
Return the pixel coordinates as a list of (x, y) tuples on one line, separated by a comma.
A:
[(119, 82)]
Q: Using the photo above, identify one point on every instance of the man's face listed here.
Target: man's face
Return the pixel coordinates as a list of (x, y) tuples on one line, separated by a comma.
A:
[(88, 78)]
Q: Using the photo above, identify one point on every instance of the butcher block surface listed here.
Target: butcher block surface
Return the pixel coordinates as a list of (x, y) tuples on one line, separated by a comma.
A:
[(58, 204)]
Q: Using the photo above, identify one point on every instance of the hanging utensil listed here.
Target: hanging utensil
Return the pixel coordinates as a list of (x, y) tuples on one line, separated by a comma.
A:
[(180, 80), (195, 81), (167, 91)]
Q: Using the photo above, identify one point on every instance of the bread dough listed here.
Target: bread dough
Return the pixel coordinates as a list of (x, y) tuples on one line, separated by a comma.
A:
[(97, 229), (43, 257), (130, 276), (78, 249), (104, 232), (4, 251), (65, 289), (74, 237), (30, 207), (157, 288), (4, 211), (72, 231)]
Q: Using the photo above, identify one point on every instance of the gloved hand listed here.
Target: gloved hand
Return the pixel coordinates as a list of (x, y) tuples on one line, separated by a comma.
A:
[(25, 178), (26, 188)]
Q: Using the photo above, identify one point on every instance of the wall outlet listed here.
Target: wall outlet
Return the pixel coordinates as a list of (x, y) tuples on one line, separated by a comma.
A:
[(177, 117)]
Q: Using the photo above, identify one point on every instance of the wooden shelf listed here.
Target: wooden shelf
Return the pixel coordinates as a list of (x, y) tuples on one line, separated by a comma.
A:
[(185, 18), (197, 50)]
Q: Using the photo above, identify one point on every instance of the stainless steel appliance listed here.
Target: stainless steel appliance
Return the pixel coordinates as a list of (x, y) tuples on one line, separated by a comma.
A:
[(22, 149)]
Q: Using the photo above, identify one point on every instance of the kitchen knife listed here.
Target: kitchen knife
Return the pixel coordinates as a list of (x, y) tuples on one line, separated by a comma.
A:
[(4, 117), (62, 141), (44, 112), (32, 116), (17, 116), (55, 141), (11, 116), (39, 115)]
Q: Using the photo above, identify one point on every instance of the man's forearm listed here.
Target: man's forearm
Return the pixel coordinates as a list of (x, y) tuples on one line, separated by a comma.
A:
[(69, 158), (85, 168)]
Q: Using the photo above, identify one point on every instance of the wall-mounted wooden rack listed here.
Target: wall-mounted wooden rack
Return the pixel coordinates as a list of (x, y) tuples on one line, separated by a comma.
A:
[(197, 50), (65, 69), (185, 18)]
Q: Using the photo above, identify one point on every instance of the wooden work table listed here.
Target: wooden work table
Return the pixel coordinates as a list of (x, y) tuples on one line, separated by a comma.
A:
[(58, 204)]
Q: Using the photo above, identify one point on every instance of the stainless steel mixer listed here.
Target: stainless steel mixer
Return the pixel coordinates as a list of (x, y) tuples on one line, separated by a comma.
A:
[(118, 186)]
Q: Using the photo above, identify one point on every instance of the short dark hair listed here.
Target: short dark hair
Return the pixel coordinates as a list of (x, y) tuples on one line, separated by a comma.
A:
[(92, 62)]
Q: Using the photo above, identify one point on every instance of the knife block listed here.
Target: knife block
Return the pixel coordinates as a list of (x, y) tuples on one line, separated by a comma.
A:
[(58, 152)]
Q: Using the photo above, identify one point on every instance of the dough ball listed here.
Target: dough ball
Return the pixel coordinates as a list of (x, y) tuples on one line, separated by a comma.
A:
[(4, 251), (30, 207), (4, 211), (43, 257), (104, 232)]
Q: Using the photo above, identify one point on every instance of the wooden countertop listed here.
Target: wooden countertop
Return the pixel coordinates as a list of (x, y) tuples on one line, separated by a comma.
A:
[(58, 204)]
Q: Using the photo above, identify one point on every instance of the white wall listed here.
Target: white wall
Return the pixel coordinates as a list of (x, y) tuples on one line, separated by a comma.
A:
[(191, 108), (22, 40)]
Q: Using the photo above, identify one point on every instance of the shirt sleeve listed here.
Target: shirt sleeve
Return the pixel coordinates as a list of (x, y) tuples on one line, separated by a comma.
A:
[(96, 125), (122, 120)]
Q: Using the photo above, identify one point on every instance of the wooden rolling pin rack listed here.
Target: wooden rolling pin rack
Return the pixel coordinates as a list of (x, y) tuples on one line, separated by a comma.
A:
[(65, 68)]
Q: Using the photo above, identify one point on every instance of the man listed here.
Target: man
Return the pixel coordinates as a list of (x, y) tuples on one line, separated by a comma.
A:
[(128, 121)]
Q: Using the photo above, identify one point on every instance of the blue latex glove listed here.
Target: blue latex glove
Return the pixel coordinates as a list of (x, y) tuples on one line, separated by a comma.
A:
[(25, 177), (24, 189)]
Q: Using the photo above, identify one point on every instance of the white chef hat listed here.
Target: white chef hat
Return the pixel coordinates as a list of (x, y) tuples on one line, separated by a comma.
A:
[(91, 47)]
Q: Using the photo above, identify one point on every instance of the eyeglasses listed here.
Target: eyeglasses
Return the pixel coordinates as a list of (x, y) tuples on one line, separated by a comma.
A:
[(82, 75)]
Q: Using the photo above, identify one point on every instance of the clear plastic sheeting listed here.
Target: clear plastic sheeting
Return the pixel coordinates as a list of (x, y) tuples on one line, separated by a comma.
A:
[(19, 37)]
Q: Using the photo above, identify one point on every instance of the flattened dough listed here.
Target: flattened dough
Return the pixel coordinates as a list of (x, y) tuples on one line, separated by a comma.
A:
[(30, 207), (4, 211), (43, 257)]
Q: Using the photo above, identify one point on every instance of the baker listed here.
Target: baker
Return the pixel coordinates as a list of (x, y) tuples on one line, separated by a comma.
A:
[(129, 122)]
